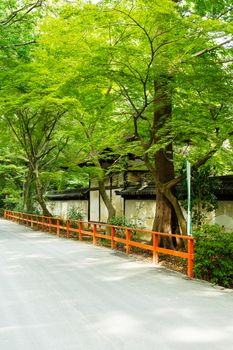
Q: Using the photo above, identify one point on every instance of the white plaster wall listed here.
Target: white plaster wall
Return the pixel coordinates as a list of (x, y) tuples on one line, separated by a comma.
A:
[(118, 203), (141, 212), (79, 205), (61, 208), (103, 209), (94, 205), (58, 208), (224, 215)]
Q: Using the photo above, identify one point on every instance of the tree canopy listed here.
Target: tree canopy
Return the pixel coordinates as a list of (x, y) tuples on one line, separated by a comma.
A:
[(156, 73)]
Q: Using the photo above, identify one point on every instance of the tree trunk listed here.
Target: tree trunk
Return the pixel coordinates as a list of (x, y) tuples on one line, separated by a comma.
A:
[(27, 200), (40, 194), (110, 208), (163, 159), (165, 217), (168, 212), (177, 208)]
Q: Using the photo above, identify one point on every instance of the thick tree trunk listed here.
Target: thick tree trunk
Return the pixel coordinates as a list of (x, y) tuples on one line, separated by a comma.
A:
[(163, 159), (177, 208), (168, 212), (165, 217), (110, 208)]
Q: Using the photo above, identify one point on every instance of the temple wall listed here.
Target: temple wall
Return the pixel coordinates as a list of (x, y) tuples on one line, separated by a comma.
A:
[(140, 211), (62, 207), (223, 215)]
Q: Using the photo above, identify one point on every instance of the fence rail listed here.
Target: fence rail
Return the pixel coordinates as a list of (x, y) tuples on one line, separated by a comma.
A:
[(112, 233)]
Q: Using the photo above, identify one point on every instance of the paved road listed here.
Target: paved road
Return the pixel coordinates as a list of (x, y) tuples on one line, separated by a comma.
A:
[(57, 294)]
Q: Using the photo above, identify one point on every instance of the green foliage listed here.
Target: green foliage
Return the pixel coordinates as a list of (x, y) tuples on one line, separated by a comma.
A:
[(203, 194), (13, 201), (124, 222), (58, 180), (121, 221), (11, 178), (99, 64), (75, 214), (18, 22), (214, 255), (214, 9)]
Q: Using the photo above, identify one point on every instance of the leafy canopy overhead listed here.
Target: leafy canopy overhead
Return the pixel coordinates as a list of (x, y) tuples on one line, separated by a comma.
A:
[(113, 67)]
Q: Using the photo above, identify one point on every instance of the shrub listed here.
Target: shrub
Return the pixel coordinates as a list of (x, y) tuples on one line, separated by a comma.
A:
[(75, 214), (121, 221), (124, 222), (214, 255)]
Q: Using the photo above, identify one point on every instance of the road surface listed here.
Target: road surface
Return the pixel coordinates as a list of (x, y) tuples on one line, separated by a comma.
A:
[(58, 294)]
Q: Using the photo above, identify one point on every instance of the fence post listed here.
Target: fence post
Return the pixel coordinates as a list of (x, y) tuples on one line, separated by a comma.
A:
[(155, 246), (190, 257), (50, 225), (80, 227), (127, 234), (113, 236), (94, 234), (43, 223), (67, 229), (58, 227)]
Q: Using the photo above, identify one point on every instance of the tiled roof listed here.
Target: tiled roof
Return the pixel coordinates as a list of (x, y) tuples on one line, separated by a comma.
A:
[(81, 193), (136, 192), (224, 192)]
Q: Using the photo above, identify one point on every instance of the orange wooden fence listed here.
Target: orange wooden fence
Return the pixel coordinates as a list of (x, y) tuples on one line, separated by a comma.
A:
[(111, 233)]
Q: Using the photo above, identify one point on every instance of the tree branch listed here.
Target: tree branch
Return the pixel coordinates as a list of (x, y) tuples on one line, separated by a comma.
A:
[(24, 10), (17, 45), (197, 165), (209, 49), (225, 12)]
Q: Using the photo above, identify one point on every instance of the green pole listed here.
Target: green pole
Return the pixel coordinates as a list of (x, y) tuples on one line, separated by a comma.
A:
[(188, 178)]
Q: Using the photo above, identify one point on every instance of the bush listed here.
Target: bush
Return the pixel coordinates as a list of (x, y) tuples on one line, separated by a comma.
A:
[(121, 221), (124, 222), (214, 255), (75, 214)]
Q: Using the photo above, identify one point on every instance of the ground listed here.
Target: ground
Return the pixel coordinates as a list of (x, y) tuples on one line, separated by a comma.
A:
[(58, 294)]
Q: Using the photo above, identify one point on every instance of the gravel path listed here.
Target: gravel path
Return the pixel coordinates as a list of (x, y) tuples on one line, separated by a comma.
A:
[(58, 294)]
